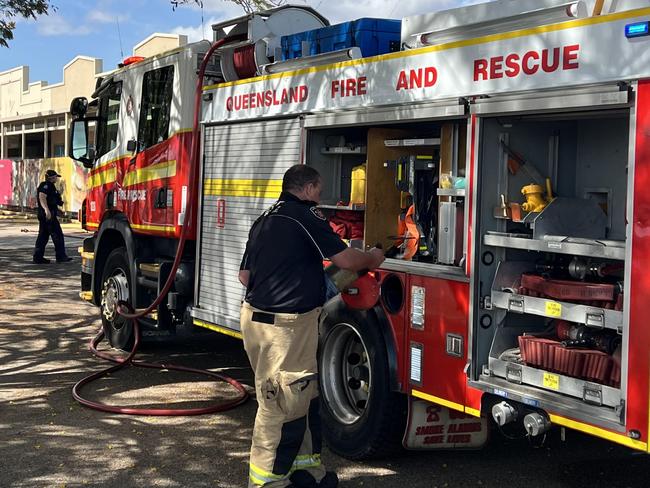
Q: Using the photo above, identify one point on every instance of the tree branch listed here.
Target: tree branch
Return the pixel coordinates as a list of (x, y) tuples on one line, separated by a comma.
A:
[(248, 6), (28, 9)]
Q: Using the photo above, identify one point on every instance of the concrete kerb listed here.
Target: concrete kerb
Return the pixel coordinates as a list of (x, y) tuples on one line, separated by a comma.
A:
[(29, 216)]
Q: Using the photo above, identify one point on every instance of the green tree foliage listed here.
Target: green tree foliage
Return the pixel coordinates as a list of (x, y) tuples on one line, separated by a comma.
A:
[(248, 5), (10, 9)]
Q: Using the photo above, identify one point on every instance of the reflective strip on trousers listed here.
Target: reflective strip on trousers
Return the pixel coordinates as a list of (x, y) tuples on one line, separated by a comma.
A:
[(260, 477), (306, 461)]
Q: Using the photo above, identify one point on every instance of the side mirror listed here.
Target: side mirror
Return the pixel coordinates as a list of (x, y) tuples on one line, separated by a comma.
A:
[(79, 148), (79, 107)]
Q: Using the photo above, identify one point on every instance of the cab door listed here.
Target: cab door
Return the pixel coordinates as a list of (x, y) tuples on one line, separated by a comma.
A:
[(148, 183)]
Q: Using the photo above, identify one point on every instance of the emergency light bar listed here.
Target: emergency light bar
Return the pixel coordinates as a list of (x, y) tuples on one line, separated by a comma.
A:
[(638, 29), (532, 18), (309, 61)]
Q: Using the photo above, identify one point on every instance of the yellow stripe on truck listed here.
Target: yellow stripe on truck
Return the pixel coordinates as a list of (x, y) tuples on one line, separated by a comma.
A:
[(472, 411), (243, 188), (216, 328), (156, 171), (101, 178), (438, 400), (598, 432), (158, 228)]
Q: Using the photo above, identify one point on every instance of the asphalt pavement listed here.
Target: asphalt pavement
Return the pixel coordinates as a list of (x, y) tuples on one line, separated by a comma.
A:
[(49, 440)]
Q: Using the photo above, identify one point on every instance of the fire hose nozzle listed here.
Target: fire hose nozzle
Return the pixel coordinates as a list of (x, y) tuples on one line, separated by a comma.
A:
[(503, 413), (536, 424)]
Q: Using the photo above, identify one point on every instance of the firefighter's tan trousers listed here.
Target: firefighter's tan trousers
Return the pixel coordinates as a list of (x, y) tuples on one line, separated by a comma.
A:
[(286, 436)]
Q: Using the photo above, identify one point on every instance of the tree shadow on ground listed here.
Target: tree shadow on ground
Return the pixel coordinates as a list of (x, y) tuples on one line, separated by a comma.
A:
[(49, 439)]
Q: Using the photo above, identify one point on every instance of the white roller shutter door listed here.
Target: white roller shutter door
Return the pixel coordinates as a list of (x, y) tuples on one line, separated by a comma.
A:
[(242, 175)]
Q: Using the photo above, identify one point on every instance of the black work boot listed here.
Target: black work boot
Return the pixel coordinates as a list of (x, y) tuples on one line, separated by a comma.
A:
[(41, 260), (330, 480), (302, 479)]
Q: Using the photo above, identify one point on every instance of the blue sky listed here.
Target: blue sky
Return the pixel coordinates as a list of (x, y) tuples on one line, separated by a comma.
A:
[(90, 27)]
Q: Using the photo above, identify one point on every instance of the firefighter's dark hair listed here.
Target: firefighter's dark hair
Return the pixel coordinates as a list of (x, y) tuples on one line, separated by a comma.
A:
[(299, 176)]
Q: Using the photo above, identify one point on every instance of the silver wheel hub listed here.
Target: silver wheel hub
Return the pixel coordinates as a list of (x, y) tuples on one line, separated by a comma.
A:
[(115, 290), (346, 376)]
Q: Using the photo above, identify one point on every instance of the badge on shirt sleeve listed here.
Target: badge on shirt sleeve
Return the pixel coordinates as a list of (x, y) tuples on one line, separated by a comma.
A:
[(45, 186), (318, 213)]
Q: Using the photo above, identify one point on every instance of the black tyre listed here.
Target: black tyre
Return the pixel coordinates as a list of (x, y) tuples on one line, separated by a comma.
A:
[(116, 286), (362, 417)]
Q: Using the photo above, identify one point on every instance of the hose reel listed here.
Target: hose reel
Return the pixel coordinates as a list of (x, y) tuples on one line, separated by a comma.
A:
[(254, 40)]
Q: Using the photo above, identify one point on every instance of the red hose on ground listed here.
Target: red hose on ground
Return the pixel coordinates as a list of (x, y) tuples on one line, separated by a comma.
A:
[(121, 363), (126, 311)]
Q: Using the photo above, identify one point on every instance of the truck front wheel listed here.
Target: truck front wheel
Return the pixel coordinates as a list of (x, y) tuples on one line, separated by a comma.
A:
[(362, 417), (116, 287)]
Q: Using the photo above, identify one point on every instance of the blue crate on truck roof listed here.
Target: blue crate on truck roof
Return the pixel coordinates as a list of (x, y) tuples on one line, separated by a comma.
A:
[(372, 36)]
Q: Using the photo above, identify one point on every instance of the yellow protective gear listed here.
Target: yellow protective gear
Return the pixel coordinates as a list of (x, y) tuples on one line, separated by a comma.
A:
[(282, 351)]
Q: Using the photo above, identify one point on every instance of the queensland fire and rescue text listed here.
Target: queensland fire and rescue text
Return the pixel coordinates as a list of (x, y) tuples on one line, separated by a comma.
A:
[(406, 80), (350, 87), (514, 64), (267, 98), (509, 65), (417, 78)]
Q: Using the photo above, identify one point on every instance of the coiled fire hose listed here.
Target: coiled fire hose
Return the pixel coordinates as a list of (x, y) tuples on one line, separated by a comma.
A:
[(127, 311)]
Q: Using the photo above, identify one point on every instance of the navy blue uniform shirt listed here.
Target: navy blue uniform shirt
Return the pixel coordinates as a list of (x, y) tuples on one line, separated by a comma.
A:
[(53, 197), (284, 254)]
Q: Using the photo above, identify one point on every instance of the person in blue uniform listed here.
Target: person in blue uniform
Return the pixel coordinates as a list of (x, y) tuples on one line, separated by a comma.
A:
[(49, 199), (282, 269)]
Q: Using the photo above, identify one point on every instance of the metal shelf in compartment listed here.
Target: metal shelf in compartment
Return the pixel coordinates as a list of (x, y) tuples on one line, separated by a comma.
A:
[(451, 192), (505, 286), (548, 307), (589, 392), (559, 244), (343, 150), (354, 206), (426, 141)]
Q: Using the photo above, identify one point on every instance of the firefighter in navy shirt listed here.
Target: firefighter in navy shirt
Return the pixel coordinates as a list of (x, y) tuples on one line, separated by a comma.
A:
[(282, 270), (48, 200)]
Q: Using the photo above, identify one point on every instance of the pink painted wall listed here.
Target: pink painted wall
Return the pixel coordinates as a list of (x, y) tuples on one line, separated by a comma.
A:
[(6, 183), (19, 180)]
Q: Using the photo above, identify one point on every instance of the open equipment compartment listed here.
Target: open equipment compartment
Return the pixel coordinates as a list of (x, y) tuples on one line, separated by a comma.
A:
[(549, 323), (377, 177)]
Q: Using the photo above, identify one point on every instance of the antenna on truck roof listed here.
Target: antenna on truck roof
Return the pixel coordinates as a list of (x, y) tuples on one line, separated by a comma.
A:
[(119, 36)]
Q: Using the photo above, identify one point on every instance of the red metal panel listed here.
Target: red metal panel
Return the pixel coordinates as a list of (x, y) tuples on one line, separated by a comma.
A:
[(143, 212), (639, 287), (473, 399), (96, 196), (137, 201), (446, 312)]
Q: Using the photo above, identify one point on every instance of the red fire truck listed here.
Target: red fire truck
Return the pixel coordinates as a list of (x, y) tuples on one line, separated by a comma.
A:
[(501, 152)]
